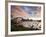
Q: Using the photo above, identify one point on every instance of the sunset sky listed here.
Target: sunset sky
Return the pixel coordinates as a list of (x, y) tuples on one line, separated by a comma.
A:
[(25, 11)]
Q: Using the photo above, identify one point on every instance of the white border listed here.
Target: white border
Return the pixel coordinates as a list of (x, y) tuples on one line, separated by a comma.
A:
[(23, 32)]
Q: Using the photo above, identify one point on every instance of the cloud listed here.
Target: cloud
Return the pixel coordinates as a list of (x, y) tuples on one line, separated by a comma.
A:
[(26, 11)]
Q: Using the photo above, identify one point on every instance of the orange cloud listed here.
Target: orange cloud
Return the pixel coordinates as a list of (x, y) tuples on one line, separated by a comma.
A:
[(18, 12)]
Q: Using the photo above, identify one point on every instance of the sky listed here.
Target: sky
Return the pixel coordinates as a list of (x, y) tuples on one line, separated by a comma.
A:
[(25, 11)]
